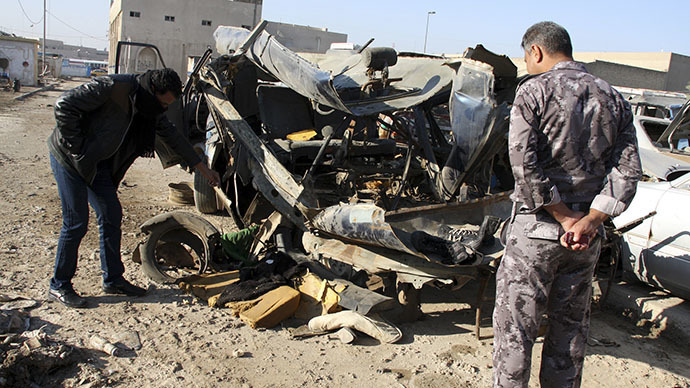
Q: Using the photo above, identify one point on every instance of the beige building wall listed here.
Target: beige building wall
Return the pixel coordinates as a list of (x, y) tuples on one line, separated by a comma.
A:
[(629, 76), (180, 29), (650, 70), (71, 51), (678, 76), (647, 60)]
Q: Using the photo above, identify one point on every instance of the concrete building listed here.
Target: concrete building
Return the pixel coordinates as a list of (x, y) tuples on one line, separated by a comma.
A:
[(19, 59), (182, 30), (649, 70), (74, 52)]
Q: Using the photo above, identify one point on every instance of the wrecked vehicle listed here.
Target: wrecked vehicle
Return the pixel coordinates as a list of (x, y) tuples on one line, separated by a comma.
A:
[(373, 164), (663, 130)]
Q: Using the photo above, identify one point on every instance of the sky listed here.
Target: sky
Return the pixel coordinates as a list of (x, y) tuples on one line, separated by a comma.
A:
[(632, 25)]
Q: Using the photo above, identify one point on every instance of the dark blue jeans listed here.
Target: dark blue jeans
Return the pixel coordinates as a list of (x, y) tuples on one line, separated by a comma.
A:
[(75, 196)]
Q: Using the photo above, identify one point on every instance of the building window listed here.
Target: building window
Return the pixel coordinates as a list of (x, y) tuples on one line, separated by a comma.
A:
[(169, 18), (205, 22), (135, 14)]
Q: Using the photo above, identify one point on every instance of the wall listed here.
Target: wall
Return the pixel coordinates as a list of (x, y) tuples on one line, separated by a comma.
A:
[(630, 76), (658, 61), (179, 39), (650, 70), (74, 69), (678, 77), (22, 58), (72, 51)]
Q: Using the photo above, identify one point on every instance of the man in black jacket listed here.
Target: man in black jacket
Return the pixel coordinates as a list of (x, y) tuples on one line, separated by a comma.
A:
[(102, 127)]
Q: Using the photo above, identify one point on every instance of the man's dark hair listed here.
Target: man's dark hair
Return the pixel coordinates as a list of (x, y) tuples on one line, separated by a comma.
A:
[(166, 80), (549, 35)]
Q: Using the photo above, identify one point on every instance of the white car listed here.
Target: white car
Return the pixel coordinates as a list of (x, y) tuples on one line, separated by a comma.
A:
[(657, 251)]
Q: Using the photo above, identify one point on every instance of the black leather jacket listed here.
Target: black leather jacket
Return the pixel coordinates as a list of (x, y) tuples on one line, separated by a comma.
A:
[(93, 121)]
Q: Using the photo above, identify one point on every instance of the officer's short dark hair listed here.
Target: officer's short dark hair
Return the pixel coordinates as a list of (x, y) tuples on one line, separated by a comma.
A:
[(549, 35), (166, 80)]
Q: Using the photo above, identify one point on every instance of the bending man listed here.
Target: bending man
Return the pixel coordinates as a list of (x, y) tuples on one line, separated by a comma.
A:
[(102, 127)]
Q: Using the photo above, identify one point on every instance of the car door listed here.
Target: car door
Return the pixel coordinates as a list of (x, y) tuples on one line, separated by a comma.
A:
[(636, 239), (666, 258)]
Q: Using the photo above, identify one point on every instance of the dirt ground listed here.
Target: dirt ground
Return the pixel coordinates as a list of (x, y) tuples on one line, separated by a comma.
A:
[(185, 343)]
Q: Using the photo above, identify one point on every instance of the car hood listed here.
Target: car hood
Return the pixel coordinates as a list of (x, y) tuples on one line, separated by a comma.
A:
[(662, 166)]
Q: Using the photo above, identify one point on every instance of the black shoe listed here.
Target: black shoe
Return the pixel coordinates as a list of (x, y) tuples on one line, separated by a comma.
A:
[(473, 239), (67, 297), (490, 225), (123, 287), (430, 245)]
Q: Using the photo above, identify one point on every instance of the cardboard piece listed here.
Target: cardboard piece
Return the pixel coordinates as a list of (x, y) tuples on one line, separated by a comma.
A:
[(272, 308), (319, 297), (208, 287)]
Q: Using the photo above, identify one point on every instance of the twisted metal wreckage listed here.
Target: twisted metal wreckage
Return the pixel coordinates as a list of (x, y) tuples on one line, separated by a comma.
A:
[(366, 160)]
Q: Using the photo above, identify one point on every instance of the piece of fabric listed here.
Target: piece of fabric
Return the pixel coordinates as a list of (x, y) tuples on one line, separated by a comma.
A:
[(572, 139), (372, 326), (250, 289), (537, 276), (236, 245), (208, 287), (75, 197), (272, 272)]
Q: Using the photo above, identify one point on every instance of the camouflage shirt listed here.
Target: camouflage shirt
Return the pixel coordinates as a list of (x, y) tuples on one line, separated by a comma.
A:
[(572, 139)]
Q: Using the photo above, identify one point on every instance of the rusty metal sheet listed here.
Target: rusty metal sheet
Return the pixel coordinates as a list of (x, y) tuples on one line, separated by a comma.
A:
[(359, 222), (374, 260)]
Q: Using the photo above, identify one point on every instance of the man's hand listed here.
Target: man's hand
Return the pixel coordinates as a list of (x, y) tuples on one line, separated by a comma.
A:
[(211, 175), (584, 230), (568, 219)]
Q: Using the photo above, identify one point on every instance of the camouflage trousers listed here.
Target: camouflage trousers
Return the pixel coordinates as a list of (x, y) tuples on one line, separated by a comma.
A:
[(538, 276)]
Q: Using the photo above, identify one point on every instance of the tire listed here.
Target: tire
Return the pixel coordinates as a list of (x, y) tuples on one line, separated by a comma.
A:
[(204, 195), (193, 233)]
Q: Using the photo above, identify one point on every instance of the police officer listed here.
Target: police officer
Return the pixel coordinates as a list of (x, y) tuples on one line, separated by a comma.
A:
[(573, 153)]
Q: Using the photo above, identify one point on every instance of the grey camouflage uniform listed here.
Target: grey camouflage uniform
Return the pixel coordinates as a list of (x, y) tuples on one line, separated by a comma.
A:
[(571, 139)]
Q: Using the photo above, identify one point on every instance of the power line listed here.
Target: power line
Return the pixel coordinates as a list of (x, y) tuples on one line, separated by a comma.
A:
[(81, 32), (27, 16)]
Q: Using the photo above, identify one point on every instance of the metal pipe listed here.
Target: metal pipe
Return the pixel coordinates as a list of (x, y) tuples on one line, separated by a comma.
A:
[(365, 45), (322, 151), (227, 202), (43, 53), (406, 171), (426, 34)]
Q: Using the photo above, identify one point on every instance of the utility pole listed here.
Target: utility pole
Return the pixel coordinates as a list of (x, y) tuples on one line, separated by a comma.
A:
[(43, 50), (427, 27)]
